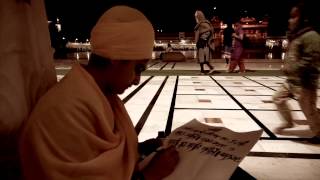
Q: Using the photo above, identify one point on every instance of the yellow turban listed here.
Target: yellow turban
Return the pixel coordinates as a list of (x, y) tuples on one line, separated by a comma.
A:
[(123, 33)]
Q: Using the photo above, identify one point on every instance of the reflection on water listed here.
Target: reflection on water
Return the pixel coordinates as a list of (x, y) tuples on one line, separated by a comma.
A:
[(77, 56), (88, 55), (192, 54)]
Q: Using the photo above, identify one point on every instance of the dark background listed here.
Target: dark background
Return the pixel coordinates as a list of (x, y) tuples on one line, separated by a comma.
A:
[(79, 16)]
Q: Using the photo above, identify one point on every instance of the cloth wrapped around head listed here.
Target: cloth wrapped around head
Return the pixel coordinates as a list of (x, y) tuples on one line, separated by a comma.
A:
[(123, 33), (199, 16)]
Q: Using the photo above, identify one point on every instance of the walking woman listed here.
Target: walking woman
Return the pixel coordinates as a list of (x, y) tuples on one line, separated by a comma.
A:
[(237, 49)]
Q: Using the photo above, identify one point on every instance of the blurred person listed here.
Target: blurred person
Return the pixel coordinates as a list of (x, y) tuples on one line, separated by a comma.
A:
[(203, 35), (227, 42), (26, 73), (237, 49), (169, 48), (80, 128), (301, 67)]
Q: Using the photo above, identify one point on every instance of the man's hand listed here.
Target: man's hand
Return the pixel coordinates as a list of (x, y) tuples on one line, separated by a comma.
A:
[(149, 146), (162, 164)]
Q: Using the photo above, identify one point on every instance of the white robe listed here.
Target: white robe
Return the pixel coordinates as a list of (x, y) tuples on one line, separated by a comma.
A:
[(26, 68)]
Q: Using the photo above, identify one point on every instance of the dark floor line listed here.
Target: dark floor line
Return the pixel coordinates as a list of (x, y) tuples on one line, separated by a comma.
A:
[(200, 86), (286, 139), (269, 110), (163, 66), (248, 112), (260, 83), (153, 64), (146, 113), (126, 99), (284, 155), (203, 94), (281, 77), (223, 94), (231, 109), (268, 87), (172, 108), (208, 109), (174, 64)]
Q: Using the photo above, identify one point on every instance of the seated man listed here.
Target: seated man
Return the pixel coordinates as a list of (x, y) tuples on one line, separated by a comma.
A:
[(80, 128)]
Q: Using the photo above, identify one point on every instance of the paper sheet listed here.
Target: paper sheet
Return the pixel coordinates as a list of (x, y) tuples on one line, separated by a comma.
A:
[(209, 152)]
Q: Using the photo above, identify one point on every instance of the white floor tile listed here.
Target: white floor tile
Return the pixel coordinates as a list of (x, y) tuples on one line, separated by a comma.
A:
[(258, 102), (140, 101), (157, 119), (271, 83), (249, 91), (230, 78), (284, 146), (235, 120), (195, 78), (197, 83), (157, 66), (132, 88), (266, 168), (214, 102), (200, 90), (238, 83), (265, 78), (272, 120)]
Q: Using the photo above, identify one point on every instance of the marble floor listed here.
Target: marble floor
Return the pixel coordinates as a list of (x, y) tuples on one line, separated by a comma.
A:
[(242, 103)]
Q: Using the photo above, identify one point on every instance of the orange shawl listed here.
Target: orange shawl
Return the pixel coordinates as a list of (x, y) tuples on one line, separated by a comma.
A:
[(75, 132)]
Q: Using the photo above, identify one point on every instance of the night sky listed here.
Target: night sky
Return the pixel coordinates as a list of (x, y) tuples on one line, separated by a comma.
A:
[(79, 16)]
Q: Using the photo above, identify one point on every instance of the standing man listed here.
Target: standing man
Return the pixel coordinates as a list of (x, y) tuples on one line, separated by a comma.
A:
[(302, 65), (26, 73)]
